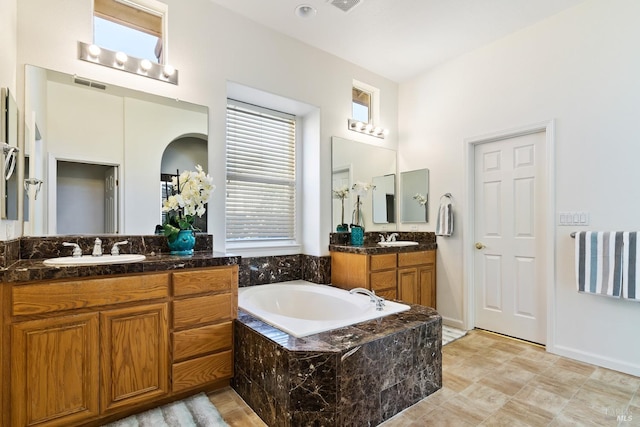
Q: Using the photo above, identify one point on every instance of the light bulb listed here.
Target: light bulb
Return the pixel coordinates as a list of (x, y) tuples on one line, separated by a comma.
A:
[(368, 127), (94, 50), (145, 65), (385, 132), (121, 58), (359, 125), (377, 131), (168, 71)]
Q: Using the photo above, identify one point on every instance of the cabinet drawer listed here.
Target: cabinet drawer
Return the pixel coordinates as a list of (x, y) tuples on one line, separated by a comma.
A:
[(201, 281), (41, 298), (416, 258), (390, 294), (382, 262), (196, 372), (383, 280), (198, 341), (191, 312)]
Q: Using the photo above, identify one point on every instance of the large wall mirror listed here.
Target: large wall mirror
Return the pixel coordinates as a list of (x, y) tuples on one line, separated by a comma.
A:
[(353, 162), (415, 195), (99, 152)]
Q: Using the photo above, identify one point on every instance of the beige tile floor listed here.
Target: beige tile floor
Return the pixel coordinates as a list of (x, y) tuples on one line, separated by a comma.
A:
[(491, 380)]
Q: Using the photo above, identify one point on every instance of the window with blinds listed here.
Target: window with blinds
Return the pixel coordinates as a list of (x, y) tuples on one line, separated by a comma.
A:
[(261, 174)]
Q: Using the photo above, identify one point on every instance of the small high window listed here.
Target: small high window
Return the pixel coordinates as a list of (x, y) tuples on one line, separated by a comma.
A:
[(361, 105), (135, 27)]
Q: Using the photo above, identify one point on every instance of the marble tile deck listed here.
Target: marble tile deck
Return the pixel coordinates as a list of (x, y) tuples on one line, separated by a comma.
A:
[(490, 380)]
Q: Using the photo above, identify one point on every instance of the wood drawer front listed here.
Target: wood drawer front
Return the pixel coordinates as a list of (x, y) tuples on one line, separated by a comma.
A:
[(192, 312), (416, 258), (196, 372), (382, 262), (198, 341), (383, 280), (390, 294), (221, 279), (41, 298)]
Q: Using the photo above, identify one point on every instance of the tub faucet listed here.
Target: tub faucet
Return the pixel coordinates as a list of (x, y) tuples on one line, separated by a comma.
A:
[(97, 247), (374, 298), (392, 237)]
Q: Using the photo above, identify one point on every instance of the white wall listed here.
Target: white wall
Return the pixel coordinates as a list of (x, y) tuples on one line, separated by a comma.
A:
[(211, 46), (580, 68)]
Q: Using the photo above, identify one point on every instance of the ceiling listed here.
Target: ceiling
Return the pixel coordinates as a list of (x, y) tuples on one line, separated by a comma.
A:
[(399, 39)]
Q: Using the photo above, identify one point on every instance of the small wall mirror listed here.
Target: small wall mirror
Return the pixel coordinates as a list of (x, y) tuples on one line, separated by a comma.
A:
[(415, 195), (384, 199)]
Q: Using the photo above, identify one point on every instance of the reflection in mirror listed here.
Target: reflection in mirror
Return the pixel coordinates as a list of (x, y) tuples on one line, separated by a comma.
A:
[(99, 128), (353, 162), (414, 195), (9, 159), (384, 199)]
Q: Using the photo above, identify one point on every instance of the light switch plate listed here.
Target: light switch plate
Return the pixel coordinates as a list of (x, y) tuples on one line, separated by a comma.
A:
[(573, 218)]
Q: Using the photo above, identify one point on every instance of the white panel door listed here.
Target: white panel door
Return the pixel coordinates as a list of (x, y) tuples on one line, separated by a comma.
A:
[(509, 288)]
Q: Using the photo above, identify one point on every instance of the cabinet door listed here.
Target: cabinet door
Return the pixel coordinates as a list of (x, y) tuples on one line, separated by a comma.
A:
[(54, 378), (408, 285), (134, 355), (427, 275)]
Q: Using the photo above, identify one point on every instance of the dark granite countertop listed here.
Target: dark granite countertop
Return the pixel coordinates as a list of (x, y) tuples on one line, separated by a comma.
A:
[(341, 339), (374, 248), (34, 269)]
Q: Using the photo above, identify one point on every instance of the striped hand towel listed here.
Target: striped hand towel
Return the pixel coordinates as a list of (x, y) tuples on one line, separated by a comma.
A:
[(444, 224), (599, 262), (631, 266)]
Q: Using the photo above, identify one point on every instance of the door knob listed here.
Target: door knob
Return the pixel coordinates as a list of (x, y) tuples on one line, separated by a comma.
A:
[(480, 246)]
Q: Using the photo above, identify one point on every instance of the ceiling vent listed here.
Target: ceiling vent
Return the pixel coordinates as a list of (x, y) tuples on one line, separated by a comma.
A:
[(345, 5), (89, 83)]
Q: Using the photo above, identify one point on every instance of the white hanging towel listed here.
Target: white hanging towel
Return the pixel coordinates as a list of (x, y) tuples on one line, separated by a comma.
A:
[(444, 225)]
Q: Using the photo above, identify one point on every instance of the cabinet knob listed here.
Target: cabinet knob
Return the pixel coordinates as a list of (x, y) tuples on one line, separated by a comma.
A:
[(480, 245)]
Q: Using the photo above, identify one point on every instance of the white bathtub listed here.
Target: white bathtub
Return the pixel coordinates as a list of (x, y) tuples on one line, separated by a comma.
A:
[(301, 308)]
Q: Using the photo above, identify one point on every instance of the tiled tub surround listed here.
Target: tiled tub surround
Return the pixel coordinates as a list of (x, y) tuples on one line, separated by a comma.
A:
[(283, 268), (358, 375)]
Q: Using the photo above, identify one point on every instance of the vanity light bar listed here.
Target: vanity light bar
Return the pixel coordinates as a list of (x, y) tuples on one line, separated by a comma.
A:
[(121, 61), (367, 128)]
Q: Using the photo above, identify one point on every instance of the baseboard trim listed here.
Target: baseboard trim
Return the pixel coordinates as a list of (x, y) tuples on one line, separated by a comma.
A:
[(454, 323), (596, 359)]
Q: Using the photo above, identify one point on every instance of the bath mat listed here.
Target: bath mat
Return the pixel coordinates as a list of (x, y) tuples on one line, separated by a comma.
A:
[(194, 411), (450, 334)]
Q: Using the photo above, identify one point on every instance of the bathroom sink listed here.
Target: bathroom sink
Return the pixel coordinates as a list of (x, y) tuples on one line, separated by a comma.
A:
[(94, 260), (398, 243)]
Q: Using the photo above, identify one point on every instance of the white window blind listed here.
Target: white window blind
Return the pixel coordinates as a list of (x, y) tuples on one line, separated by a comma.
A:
[(261, 174)]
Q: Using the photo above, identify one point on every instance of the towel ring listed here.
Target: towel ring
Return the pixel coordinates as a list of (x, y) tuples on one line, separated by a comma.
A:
[(9, 162)]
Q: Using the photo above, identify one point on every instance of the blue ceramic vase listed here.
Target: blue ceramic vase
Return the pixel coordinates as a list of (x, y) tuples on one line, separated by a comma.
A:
[(184, 243), (357, 235)]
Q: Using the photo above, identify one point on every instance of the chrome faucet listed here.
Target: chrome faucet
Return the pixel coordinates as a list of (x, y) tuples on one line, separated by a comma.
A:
[(115, 250), (97, 247), (382, 238), (77, 252), (392, 237), (374, 298)]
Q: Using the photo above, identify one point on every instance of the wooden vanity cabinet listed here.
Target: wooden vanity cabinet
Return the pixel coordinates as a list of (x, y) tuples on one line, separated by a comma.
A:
[(417, 277), (407, 276), (373, 272), (84, 349), (204, 306)]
